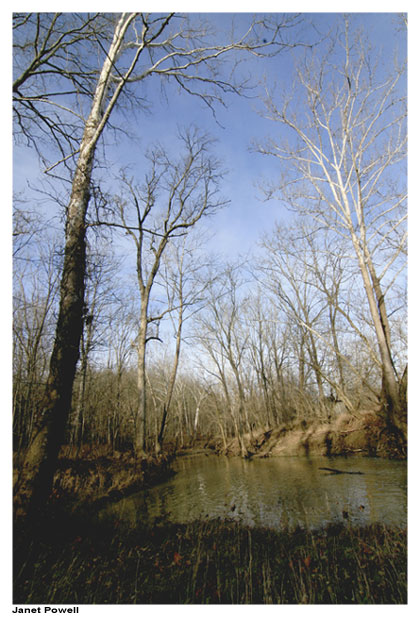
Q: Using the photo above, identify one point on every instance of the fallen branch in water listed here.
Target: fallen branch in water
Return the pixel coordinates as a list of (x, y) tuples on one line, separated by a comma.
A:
[(358, 473)]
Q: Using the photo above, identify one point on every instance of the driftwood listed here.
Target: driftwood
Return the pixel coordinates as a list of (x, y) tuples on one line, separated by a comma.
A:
[(336, 471)]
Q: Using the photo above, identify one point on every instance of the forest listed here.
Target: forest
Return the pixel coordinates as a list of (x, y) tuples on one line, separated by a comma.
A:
[(134, 336)]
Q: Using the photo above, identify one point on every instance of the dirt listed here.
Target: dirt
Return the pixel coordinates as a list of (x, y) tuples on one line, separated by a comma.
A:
[(93, 477), (365, 434)]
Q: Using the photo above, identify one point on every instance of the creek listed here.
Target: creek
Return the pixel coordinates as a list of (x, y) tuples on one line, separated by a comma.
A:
[(277, 493)]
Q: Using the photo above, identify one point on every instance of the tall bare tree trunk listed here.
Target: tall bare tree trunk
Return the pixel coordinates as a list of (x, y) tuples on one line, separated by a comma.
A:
[(393, 404), (77, 437), (36, 477), (41, 458), (141, 428), (171, 386)]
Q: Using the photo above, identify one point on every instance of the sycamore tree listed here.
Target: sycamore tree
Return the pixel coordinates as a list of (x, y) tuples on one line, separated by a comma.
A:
[(342, 152)]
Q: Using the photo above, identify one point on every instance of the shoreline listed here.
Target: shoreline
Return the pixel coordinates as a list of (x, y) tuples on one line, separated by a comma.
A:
[(95, 477), (69, 556)]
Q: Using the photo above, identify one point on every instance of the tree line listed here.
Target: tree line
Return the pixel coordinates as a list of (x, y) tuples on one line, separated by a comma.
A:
[(175, 345)]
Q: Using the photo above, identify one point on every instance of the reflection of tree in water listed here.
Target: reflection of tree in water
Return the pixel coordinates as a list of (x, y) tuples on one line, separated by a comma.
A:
[(390, 508), (347, 499), (277, 493)]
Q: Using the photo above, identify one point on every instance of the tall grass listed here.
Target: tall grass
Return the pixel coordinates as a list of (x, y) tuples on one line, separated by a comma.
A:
[(208, 562)]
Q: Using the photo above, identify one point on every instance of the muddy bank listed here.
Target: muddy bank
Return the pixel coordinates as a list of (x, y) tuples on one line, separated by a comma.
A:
[(93, 477), (366, 434)]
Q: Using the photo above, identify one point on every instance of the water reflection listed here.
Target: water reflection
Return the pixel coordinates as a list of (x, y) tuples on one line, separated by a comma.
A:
[(276, 493)]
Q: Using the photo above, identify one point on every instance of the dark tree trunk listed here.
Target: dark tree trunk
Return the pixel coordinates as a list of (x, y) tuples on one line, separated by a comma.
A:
[(36, 477), (162, 430)]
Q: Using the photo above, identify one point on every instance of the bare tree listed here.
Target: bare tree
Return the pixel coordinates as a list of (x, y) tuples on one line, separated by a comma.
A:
[(269, 354), (36, 476), (185, 278), (220, 332), (59, 93), (36, 286), (100, 285), (336, 278), (122, 324), (176, 194), (346, 169), (312, 279), (289, 278)]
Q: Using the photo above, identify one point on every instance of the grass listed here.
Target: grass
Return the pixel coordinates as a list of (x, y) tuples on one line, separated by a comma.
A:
[(71, 561)]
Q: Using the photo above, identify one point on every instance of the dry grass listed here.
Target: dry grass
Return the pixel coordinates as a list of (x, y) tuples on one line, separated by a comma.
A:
[(208, 562)]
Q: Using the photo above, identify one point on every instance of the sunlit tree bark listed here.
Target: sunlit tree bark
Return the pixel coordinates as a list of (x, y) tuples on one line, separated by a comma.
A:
[(346, 170)]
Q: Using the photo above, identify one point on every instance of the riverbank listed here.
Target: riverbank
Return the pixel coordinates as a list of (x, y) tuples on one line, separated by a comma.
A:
[(98, 477), (75, 555), (365, 434), (72, 561), (93, 477)]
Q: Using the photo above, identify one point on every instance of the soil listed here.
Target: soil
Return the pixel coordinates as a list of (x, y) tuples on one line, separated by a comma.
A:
[(93, 477), (365, 434)]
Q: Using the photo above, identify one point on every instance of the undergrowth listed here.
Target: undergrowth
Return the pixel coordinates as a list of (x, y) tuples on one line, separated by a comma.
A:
[(71, 561)]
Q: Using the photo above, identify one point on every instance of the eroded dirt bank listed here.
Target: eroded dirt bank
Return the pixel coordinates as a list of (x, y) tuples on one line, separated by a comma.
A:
[(93, 477), (366, 434)]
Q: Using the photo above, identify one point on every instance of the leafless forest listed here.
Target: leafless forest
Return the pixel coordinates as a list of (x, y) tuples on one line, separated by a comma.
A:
[(128, 333)]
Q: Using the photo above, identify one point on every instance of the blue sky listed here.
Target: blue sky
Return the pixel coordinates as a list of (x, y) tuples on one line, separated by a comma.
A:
[(237, 228)]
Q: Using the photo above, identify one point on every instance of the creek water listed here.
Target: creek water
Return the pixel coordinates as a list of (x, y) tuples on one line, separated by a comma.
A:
[(278, 493)]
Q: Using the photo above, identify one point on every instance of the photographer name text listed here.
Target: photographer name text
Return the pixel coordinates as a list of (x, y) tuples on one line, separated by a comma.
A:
[(46, 609)]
